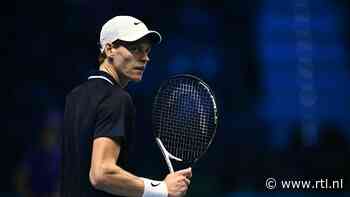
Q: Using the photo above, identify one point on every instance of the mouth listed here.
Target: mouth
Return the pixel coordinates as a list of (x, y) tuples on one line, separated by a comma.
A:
[(141, 68)]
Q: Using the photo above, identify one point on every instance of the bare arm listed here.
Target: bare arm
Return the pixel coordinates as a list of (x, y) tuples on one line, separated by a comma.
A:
[(107, 176)]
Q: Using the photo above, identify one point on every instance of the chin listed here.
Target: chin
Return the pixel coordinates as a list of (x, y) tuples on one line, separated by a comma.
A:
[(137, 78)]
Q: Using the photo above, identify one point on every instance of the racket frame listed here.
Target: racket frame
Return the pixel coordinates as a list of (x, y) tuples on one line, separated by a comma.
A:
[(166, 154)]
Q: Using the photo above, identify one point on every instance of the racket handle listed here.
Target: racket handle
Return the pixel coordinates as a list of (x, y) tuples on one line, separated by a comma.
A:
[(170, 166)]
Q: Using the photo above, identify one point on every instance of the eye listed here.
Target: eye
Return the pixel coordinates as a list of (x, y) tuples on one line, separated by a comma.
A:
[(133, 48)]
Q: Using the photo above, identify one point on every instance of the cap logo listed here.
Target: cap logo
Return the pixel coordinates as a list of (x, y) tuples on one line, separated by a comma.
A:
[(136, 23)]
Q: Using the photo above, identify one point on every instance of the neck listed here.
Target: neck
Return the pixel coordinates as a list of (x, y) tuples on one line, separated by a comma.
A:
[(108, 68)]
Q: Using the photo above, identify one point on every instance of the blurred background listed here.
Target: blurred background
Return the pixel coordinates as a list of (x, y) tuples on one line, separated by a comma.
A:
[(279, 69)]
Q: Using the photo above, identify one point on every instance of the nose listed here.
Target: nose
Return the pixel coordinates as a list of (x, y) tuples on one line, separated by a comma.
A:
[(145, 57)]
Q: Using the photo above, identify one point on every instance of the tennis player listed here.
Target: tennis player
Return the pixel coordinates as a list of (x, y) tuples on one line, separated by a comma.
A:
[(99, 118)]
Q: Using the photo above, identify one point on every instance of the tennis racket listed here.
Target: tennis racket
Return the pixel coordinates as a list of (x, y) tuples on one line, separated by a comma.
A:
[(184, 119)]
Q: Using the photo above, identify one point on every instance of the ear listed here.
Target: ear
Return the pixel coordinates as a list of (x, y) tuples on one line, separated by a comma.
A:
[(108, 50)]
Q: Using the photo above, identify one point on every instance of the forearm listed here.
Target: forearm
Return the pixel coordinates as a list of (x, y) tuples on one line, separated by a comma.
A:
[(117, 181), (105, 175)]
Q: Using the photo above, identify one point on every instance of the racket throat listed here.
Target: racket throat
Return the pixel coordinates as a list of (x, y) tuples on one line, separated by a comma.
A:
[(167, 155)]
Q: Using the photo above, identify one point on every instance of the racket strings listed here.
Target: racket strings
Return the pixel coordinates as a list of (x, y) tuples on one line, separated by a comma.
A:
[(185, 118)]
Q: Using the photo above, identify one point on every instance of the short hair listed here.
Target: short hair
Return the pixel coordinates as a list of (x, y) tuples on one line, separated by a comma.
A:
[(103, 56)]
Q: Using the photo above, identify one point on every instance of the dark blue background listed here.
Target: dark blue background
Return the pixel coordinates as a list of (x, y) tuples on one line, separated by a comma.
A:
[(247, 51)]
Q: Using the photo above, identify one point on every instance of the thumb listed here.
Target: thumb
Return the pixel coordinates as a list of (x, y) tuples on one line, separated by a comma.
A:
[(185, 172)]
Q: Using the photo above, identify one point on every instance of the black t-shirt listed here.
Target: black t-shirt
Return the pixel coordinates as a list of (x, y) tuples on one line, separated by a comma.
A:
[(97, 108)]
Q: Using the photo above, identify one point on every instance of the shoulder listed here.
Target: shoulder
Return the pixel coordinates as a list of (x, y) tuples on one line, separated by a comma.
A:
[(118, 92), (91, 88), (117, 97), (101, 93)]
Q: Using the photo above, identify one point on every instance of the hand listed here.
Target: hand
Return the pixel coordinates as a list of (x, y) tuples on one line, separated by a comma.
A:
[(178, 182)]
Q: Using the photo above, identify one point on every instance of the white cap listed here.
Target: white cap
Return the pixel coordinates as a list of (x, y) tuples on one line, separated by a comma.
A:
[(126, 28)]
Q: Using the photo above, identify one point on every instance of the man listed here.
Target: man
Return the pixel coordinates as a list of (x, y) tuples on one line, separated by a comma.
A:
[(99, 116)]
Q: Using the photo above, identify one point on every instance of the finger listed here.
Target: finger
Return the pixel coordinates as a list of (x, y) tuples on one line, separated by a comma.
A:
[(189, 175), (184, 190), (187, 181), (183, 193), (185, 172)]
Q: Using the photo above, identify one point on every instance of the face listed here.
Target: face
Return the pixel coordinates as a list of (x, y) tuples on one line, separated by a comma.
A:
[(130, 59)]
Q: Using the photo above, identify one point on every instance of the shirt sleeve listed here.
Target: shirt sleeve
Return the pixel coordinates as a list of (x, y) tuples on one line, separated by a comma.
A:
[(111, 117)]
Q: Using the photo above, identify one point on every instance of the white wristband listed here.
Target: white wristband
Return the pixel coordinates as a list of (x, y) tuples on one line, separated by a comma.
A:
[(154, 188)]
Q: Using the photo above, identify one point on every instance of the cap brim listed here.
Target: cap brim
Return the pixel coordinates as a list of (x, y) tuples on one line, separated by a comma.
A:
[(153, 36)]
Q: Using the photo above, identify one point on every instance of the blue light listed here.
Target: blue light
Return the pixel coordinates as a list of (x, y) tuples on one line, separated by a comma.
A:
[(279, 25)]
